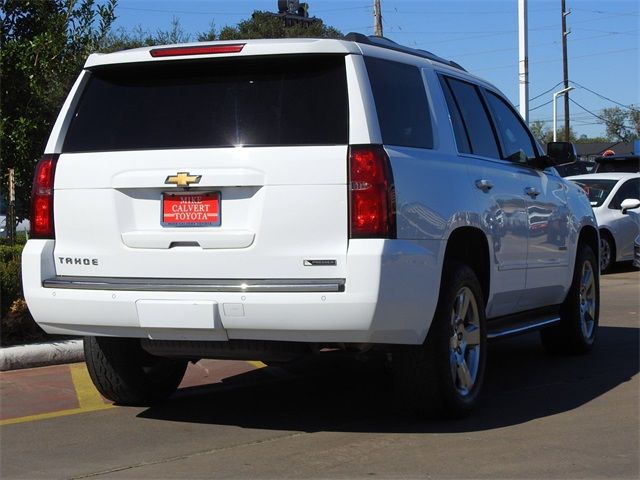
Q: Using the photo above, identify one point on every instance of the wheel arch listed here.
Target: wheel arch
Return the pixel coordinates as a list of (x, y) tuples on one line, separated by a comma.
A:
[(469, 245), (591, 236)]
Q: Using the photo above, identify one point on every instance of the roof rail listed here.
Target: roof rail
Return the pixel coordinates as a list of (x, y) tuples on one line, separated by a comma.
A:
[(391, 45)]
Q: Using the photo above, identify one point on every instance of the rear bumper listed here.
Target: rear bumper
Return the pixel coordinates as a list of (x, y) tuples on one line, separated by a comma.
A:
[(389, 296)]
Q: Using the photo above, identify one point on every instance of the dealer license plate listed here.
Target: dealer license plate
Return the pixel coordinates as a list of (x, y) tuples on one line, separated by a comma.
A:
[(200, 209)]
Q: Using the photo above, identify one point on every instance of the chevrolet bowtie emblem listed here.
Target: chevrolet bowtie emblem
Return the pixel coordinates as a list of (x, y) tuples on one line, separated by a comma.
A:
[(182, 179)]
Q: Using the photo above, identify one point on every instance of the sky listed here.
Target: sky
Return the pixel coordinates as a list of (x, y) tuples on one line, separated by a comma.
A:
[(482, 36)]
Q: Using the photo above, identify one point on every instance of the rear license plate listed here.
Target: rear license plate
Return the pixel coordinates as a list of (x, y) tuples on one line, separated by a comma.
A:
[(200, 209)]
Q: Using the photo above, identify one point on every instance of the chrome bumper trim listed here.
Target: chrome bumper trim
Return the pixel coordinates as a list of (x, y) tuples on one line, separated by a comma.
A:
[(196, 285)]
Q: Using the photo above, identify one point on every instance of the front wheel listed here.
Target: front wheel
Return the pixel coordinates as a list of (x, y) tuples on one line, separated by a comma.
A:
[(128, 375), (443, 377), (579, 314), (607, 253)]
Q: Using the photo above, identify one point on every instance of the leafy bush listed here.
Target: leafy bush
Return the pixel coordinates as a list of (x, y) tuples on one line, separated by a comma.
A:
[(10, 278), (16, 323), (21, 239)]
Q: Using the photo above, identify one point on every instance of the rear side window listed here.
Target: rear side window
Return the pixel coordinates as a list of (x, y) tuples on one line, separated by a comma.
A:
[(401, 103), (517, 145), (251, 102), (476, 121)]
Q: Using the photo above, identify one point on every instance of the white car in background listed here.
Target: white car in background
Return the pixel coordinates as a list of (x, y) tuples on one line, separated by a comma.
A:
[(607, 192), (23, 226)]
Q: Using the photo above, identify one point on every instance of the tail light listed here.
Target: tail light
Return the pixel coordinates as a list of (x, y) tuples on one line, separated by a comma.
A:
[(42, 198), (196, 50), (372, 194)]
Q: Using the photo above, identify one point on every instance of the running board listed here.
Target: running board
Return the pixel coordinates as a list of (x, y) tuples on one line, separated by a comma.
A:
[(521, 323)]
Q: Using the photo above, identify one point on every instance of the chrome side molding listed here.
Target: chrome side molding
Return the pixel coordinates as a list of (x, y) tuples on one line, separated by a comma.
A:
[(196, 285)]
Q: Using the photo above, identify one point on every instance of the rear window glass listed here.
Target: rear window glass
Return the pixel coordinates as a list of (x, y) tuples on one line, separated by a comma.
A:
[(401, 103), (597, 190), (251, 102)]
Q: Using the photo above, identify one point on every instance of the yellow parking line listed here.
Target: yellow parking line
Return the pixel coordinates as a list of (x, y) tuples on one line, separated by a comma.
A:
[(44, 416), (88, 399), (88, 396)]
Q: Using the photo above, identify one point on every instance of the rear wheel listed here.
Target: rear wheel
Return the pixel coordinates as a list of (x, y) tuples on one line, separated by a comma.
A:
[(576, 332), (607, 252), (126, 374), (443, 377)]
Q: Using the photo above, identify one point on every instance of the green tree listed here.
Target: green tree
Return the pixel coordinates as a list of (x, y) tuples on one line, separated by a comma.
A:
[(267, 25), (44, 45), (540, 131), (139, 37), (634, 118), (545, 135), (622, 125)]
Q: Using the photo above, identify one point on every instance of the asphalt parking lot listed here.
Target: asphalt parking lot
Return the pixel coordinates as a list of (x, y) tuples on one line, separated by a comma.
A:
[(540, 417)]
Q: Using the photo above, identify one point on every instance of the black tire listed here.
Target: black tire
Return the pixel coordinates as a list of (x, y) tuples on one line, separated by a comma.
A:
[(425, 378), (126, 374), (607, 252), (576, 332)]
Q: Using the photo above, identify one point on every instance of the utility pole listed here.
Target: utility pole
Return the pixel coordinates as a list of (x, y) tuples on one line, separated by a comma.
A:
[(565, 70), (377, 14), (523, 61)]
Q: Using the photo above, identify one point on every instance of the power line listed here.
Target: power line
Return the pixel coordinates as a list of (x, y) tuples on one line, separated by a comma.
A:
[(508, 49), (559, 60), (361, 7), (183, 12), (603, 97), (602, 12), (541, 105), (546, 91), (540, 95), (620, 125), (626, 32), (466, 12)]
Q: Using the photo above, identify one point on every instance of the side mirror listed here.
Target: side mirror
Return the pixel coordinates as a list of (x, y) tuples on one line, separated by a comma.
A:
[(559, 153), (629, 204)]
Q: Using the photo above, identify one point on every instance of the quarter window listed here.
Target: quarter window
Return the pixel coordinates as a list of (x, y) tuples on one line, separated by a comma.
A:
[(516, 142), (459, 130), (401, 103), (630, 189), (476, 120)]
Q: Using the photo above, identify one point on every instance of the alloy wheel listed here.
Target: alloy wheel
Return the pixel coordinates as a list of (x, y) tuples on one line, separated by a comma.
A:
[(605, 254), (464, 344), (587, 300)]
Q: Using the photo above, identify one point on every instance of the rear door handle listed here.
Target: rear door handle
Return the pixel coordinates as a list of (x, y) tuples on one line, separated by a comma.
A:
[(484, 185), (533, 192)]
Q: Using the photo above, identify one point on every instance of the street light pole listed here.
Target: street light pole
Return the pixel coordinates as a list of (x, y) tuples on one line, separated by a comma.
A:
[(523, 62), (555, 111)]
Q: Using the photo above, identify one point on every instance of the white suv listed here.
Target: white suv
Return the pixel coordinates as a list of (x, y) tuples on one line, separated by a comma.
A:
[(265, 199)]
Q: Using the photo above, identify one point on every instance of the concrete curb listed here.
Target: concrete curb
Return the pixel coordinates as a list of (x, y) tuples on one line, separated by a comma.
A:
[(41, 354)]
